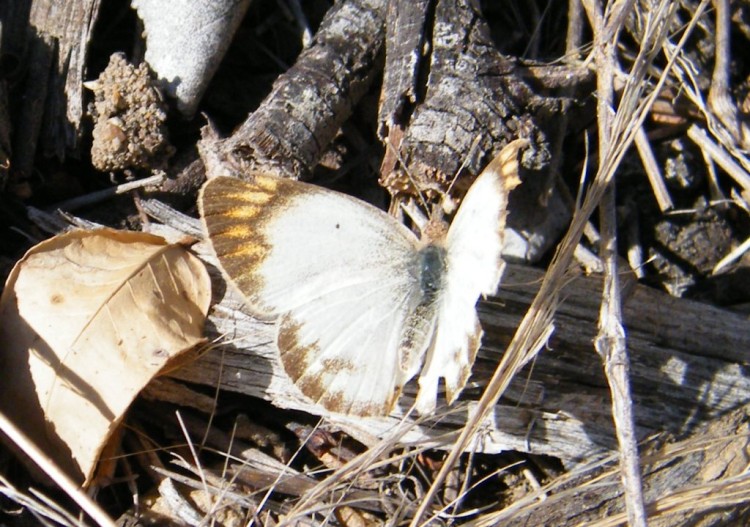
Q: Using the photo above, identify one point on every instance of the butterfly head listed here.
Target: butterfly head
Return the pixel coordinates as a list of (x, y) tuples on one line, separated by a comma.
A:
[(435, 230)]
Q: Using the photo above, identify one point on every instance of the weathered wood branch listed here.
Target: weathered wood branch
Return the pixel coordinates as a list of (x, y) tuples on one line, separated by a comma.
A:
[(298, 119), (450, 101)]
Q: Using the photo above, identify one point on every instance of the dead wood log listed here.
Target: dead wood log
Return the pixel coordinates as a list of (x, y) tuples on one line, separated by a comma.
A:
[(688, 367), (436, 104)]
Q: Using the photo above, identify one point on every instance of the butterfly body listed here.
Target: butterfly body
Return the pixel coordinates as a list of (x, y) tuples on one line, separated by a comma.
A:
[(361, 303)]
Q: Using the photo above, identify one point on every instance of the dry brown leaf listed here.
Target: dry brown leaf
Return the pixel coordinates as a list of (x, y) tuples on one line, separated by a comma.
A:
[(87, 319)]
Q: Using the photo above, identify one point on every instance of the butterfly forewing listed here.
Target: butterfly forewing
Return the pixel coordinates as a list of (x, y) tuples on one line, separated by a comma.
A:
[(341, 276)]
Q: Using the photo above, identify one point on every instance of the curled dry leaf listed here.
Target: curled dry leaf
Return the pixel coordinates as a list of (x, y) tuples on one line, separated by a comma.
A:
[(87, 319)]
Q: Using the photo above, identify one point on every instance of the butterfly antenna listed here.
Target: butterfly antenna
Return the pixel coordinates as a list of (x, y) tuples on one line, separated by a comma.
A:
[(464, 163), (395, 151)]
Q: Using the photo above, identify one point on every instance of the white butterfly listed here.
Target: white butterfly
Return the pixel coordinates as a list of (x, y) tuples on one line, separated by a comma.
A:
[(361, 303)]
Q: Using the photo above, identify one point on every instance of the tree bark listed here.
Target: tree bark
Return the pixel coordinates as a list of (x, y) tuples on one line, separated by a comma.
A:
[(450, 99)]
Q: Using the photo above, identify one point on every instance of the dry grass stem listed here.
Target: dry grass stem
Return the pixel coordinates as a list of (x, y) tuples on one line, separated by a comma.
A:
[(719, 98), (610, 342), (42, 461), (103, 195), (720, 156), (653, 172), (372, 459), (732, 257)]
